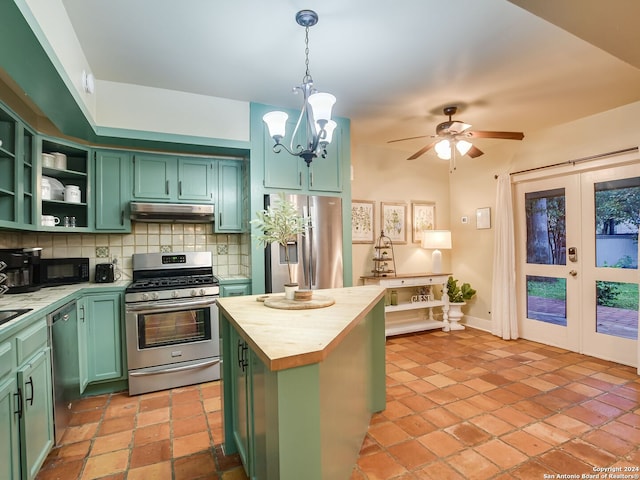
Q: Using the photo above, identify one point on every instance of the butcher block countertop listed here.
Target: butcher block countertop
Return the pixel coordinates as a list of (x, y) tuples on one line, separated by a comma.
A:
[(291, 338)]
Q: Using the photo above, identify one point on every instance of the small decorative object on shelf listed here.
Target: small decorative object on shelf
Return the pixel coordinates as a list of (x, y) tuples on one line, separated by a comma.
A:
[(382, 258)]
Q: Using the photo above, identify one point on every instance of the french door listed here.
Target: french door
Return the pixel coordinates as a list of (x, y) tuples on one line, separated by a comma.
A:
[(577, 261)]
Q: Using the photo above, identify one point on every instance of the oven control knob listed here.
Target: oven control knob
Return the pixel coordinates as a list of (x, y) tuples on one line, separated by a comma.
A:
[(155, 296), (174, 294), (193, 293), (145, 296), (202, 292)]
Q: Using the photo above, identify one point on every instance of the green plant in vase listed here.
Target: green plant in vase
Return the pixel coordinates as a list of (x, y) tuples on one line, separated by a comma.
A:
[(280, 223), (458, 296)]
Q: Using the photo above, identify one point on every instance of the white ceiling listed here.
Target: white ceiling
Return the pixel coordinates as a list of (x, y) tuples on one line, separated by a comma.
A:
[(392, 65)]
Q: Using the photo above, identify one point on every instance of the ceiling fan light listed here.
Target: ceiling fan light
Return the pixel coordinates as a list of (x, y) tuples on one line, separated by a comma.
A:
[(463, 146), (443, 149), (276, 123)]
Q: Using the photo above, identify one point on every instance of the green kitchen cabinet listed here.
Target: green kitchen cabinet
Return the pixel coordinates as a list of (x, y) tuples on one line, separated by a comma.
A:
[(100, 321), (285, 171), (17, 177), (195, 179), (76, 171), (112, 188), (104, 337), (36, 419), (153, 177), (242, 429), (235, 288), (9, 435), (229, 218), (169, 178)]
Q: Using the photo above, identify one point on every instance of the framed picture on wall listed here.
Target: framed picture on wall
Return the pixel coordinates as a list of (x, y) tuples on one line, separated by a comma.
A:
[(362, 221), (394, 221), (423, 215), (483, 218)]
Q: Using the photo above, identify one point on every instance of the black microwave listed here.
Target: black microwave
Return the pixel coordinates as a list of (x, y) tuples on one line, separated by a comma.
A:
[(63, 271)]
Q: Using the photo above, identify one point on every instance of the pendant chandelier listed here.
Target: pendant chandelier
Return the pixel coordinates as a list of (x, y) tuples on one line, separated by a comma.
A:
[(315, 116)]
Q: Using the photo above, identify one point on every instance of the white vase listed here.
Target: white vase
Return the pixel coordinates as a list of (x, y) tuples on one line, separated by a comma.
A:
[(455, 314), (289, 288)]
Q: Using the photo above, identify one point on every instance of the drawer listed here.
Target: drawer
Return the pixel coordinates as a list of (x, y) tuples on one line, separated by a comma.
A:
[(30, 340), (413, 281), (7, 363)]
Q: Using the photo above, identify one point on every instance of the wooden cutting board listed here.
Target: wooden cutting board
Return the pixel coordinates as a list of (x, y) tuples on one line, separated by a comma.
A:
[(318, 301)]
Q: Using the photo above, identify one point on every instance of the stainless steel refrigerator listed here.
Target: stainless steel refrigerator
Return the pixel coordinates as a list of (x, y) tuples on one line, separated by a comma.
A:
[(316, 256)]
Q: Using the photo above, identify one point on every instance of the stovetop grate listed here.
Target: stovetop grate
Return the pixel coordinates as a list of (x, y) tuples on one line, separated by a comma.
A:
[(164, 283)]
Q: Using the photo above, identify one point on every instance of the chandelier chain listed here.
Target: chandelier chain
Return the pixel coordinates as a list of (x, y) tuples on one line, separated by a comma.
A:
[(307, 75)]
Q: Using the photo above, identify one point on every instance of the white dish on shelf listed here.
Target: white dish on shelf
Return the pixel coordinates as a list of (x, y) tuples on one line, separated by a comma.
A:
[(60, 160), (48, 160), (56, 188)]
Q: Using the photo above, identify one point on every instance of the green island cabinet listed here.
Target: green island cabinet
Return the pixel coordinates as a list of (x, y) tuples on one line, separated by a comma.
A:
[(77, 171), (169, 178), (17, 175), (292, 415), (112, 188), (26, 405), (284, 171), (100, 338)]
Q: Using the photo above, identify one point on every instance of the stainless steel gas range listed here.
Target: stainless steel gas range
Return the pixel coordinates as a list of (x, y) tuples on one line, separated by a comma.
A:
[(172, 321)]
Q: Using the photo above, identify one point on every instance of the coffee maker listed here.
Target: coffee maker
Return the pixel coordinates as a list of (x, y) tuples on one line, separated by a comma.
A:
[(22, 269)]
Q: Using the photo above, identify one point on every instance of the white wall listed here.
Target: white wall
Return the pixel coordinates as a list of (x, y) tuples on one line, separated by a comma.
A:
[(384, 175)]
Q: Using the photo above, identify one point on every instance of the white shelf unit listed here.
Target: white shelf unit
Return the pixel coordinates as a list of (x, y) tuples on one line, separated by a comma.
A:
[(407, 316)]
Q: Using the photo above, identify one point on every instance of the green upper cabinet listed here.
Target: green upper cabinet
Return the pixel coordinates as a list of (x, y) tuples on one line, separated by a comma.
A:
[(112, 190), (17, 178), (282, 170), (325, 174), (195, 179), (229, 216), (154, 176), (168, 178), (75, 170)]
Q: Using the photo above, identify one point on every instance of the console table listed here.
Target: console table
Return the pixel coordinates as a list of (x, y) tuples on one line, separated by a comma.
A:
[(412, 316)]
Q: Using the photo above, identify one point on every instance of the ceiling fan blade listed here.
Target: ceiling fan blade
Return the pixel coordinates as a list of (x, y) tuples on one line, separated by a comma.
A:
[(503, 135), (474, 152), (408, 138), (422, 151)]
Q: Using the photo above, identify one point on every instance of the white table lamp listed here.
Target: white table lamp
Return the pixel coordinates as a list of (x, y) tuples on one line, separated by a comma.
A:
[(436, 240)]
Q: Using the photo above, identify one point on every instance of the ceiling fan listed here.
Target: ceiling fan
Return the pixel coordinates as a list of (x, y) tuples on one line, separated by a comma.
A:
[(454, 133)]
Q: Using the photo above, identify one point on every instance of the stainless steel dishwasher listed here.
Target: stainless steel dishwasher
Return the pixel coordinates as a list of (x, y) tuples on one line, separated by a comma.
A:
[(63, 330)]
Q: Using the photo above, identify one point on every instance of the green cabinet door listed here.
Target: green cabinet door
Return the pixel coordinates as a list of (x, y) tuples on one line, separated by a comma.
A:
[(229, 205), (240, 391), (104, 336), (154, 177), (282, 170), (195, 179), (235, 290), (325, 174), (9, 440), (112, 191), (83, 361), (36, 423)]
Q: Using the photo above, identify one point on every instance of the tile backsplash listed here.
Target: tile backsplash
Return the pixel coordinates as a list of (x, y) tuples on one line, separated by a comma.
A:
[(230, 252)]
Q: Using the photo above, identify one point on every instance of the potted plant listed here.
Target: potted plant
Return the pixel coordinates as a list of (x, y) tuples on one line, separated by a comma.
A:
[(458, 296), (281, 223)]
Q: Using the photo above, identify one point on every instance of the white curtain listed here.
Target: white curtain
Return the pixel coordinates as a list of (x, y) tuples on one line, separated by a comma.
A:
[(503, 300)]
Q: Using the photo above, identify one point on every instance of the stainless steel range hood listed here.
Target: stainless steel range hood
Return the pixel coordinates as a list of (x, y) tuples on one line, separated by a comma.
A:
[(172, 212)]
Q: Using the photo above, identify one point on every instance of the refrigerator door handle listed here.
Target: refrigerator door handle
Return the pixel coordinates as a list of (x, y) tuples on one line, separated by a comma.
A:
[(306, 248)]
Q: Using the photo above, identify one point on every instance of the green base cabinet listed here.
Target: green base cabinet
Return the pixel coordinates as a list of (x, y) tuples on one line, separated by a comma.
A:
[(100, 337), (9, 438), (36, 422), (112, 191), (235, 289)]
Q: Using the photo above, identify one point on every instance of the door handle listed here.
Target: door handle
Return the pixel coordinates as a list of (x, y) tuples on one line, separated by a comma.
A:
[(573, 273), (19, 402), (29, 382)]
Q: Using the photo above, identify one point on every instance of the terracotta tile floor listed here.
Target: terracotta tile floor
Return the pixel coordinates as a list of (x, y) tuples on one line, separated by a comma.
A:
[(461, 405)]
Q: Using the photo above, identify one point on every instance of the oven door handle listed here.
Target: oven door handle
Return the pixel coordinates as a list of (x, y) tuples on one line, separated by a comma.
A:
[(175, 369), (168, 306)]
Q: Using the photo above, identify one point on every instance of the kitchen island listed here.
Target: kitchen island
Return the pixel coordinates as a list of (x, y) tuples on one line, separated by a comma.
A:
[(300, 386)]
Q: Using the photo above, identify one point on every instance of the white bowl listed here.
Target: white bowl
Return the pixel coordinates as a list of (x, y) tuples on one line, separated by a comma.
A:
[(48, 160)]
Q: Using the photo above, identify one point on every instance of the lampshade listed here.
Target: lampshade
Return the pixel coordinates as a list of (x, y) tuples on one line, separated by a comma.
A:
[(463, 146), (276, 123), (321, 104), (443, 149), (436, 239)]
